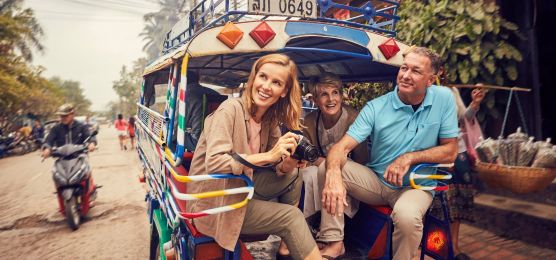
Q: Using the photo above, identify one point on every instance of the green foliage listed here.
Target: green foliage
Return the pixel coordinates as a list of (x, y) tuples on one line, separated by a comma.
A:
[(73, 93), (356, 95), (128, 89), (19, 30), (158, 24), (470, 36), (24, 91)]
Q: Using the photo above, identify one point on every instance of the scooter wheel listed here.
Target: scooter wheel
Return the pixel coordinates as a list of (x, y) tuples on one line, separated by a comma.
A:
[(72, 213)]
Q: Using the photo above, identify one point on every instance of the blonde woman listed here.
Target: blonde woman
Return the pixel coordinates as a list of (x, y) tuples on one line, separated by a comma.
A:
[(249, 127)]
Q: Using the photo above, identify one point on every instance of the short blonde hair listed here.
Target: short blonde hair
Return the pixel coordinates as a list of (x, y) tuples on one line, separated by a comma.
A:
[(326, 79), (286, 110)]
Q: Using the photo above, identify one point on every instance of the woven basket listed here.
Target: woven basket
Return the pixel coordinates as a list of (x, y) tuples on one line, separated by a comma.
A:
[(515, 178)]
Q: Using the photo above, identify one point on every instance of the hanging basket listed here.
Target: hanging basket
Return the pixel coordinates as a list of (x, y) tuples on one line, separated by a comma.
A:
[(517, 179)]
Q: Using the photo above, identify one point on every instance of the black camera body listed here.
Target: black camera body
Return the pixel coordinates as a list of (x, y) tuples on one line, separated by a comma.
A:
[(305, 150)]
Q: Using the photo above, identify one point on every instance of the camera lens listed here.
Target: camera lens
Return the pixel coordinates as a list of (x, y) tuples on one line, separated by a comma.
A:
[(306, 151), (310, 154)]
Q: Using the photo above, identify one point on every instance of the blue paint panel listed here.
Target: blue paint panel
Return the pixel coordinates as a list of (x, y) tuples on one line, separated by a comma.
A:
[(350, 34)]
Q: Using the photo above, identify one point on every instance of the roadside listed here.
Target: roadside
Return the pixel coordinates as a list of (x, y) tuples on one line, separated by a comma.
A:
[(31, 226)]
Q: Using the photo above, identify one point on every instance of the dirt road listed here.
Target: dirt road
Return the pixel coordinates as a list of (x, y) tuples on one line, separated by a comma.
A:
[(31, 226)]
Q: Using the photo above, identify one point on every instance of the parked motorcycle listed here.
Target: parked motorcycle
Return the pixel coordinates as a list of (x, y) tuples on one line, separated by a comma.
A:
[(14, 144), (74, 185)]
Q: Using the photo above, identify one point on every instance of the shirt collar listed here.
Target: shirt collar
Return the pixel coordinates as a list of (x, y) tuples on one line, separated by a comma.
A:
[(397, 103), (246, 113)]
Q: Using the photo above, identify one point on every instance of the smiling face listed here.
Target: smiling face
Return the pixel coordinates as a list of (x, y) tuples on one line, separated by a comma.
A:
[(269, 86), (414, 77), (328, 99)]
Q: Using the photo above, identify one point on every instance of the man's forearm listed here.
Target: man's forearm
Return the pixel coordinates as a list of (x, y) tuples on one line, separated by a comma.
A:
[(337, 157), (444, 153)]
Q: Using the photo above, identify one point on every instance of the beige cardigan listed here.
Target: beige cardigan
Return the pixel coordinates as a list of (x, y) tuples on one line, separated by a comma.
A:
[(225, 132), (360, 154)]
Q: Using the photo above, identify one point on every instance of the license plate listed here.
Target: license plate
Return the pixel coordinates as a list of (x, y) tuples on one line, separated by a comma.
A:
[(296, 8)]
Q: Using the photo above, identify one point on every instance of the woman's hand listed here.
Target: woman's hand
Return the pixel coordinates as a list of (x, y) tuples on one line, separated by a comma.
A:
[(284, 147), (477, 96)]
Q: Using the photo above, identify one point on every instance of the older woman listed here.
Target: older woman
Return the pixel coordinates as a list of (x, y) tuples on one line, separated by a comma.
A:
[(325, 127), (249, 127)]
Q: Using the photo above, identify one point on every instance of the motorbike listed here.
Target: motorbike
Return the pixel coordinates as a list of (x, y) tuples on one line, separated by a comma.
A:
[(13, 144), (72, 177)]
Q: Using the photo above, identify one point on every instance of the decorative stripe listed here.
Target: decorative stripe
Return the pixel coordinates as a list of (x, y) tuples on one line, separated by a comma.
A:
[(181, 120), (181, 105), (432, 176), (439, 187), (175, 194)]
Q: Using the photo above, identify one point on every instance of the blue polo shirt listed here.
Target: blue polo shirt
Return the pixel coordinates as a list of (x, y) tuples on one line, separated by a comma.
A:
[(393, 128)]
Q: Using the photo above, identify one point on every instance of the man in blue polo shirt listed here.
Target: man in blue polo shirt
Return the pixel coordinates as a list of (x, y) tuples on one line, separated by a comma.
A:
[(415, 123)]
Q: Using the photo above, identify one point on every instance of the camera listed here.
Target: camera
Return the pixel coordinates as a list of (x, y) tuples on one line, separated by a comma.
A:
[(305, 150)]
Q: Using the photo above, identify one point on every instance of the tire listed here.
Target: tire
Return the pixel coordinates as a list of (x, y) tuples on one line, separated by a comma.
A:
[(72, 213), (154, 252)]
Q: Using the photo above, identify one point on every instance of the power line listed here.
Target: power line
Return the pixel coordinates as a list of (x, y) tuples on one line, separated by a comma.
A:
[(114, 8), (54, 12)]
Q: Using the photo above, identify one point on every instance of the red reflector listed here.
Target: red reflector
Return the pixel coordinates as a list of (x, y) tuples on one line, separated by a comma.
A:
[(262, 34), (389, 48), (436, 241)]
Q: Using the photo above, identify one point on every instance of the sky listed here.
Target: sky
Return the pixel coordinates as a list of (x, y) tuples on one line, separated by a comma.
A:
[(90, 40)]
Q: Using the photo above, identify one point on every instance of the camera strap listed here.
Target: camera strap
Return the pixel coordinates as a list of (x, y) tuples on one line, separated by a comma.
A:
[(318, 137), (241, 160)]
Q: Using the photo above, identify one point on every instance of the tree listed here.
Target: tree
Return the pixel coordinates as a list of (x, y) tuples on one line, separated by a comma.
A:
[(19, 30), (73, 93), (470, 36), (23, 92), (127, 87), (158, 24)]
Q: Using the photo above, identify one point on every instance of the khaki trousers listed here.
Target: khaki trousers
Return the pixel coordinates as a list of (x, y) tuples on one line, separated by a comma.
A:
[(283, 219), (409, 206)]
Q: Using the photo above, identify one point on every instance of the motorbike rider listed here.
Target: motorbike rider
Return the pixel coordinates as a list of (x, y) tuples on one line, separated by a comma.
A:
[(67, 131)]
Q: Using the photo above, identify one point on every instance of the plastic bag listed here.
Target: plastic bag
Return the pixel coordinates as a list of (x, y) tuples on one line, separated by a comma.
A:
[(509, 147), (487, 150), (527, 152), (546, 155)]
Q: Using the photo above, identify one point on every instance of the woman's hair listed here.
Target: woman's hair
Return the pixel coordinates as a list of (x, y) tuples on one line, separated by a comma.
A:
[(459, 103), (131, 120), (286, 110), (325, 79), (120, 117)]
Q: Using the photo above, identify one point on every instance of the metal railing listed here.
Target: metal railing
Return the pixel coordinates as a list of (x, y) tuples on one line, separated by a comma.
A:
[(152, 121), (375, 15)]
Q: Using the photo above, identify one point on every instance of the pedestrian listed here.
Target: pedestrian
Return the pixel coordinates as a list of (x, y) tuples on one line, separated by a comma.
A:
[(38, 131), (121, 127), (461, 193), (131, 131)]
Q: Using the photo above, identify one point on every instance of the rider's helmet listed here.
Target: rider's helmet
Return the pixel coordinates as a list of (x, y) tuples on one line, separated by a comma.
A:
[(65, 110)]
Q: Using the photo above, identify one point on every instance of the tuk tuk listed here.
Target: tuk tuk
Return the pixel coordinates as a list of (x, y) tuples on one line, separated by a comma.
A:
[(220, 40)]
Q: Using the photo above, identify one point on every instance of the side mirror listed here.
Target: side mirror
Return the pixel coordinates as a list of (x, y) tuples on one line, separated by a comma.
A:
[(94, 133)]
